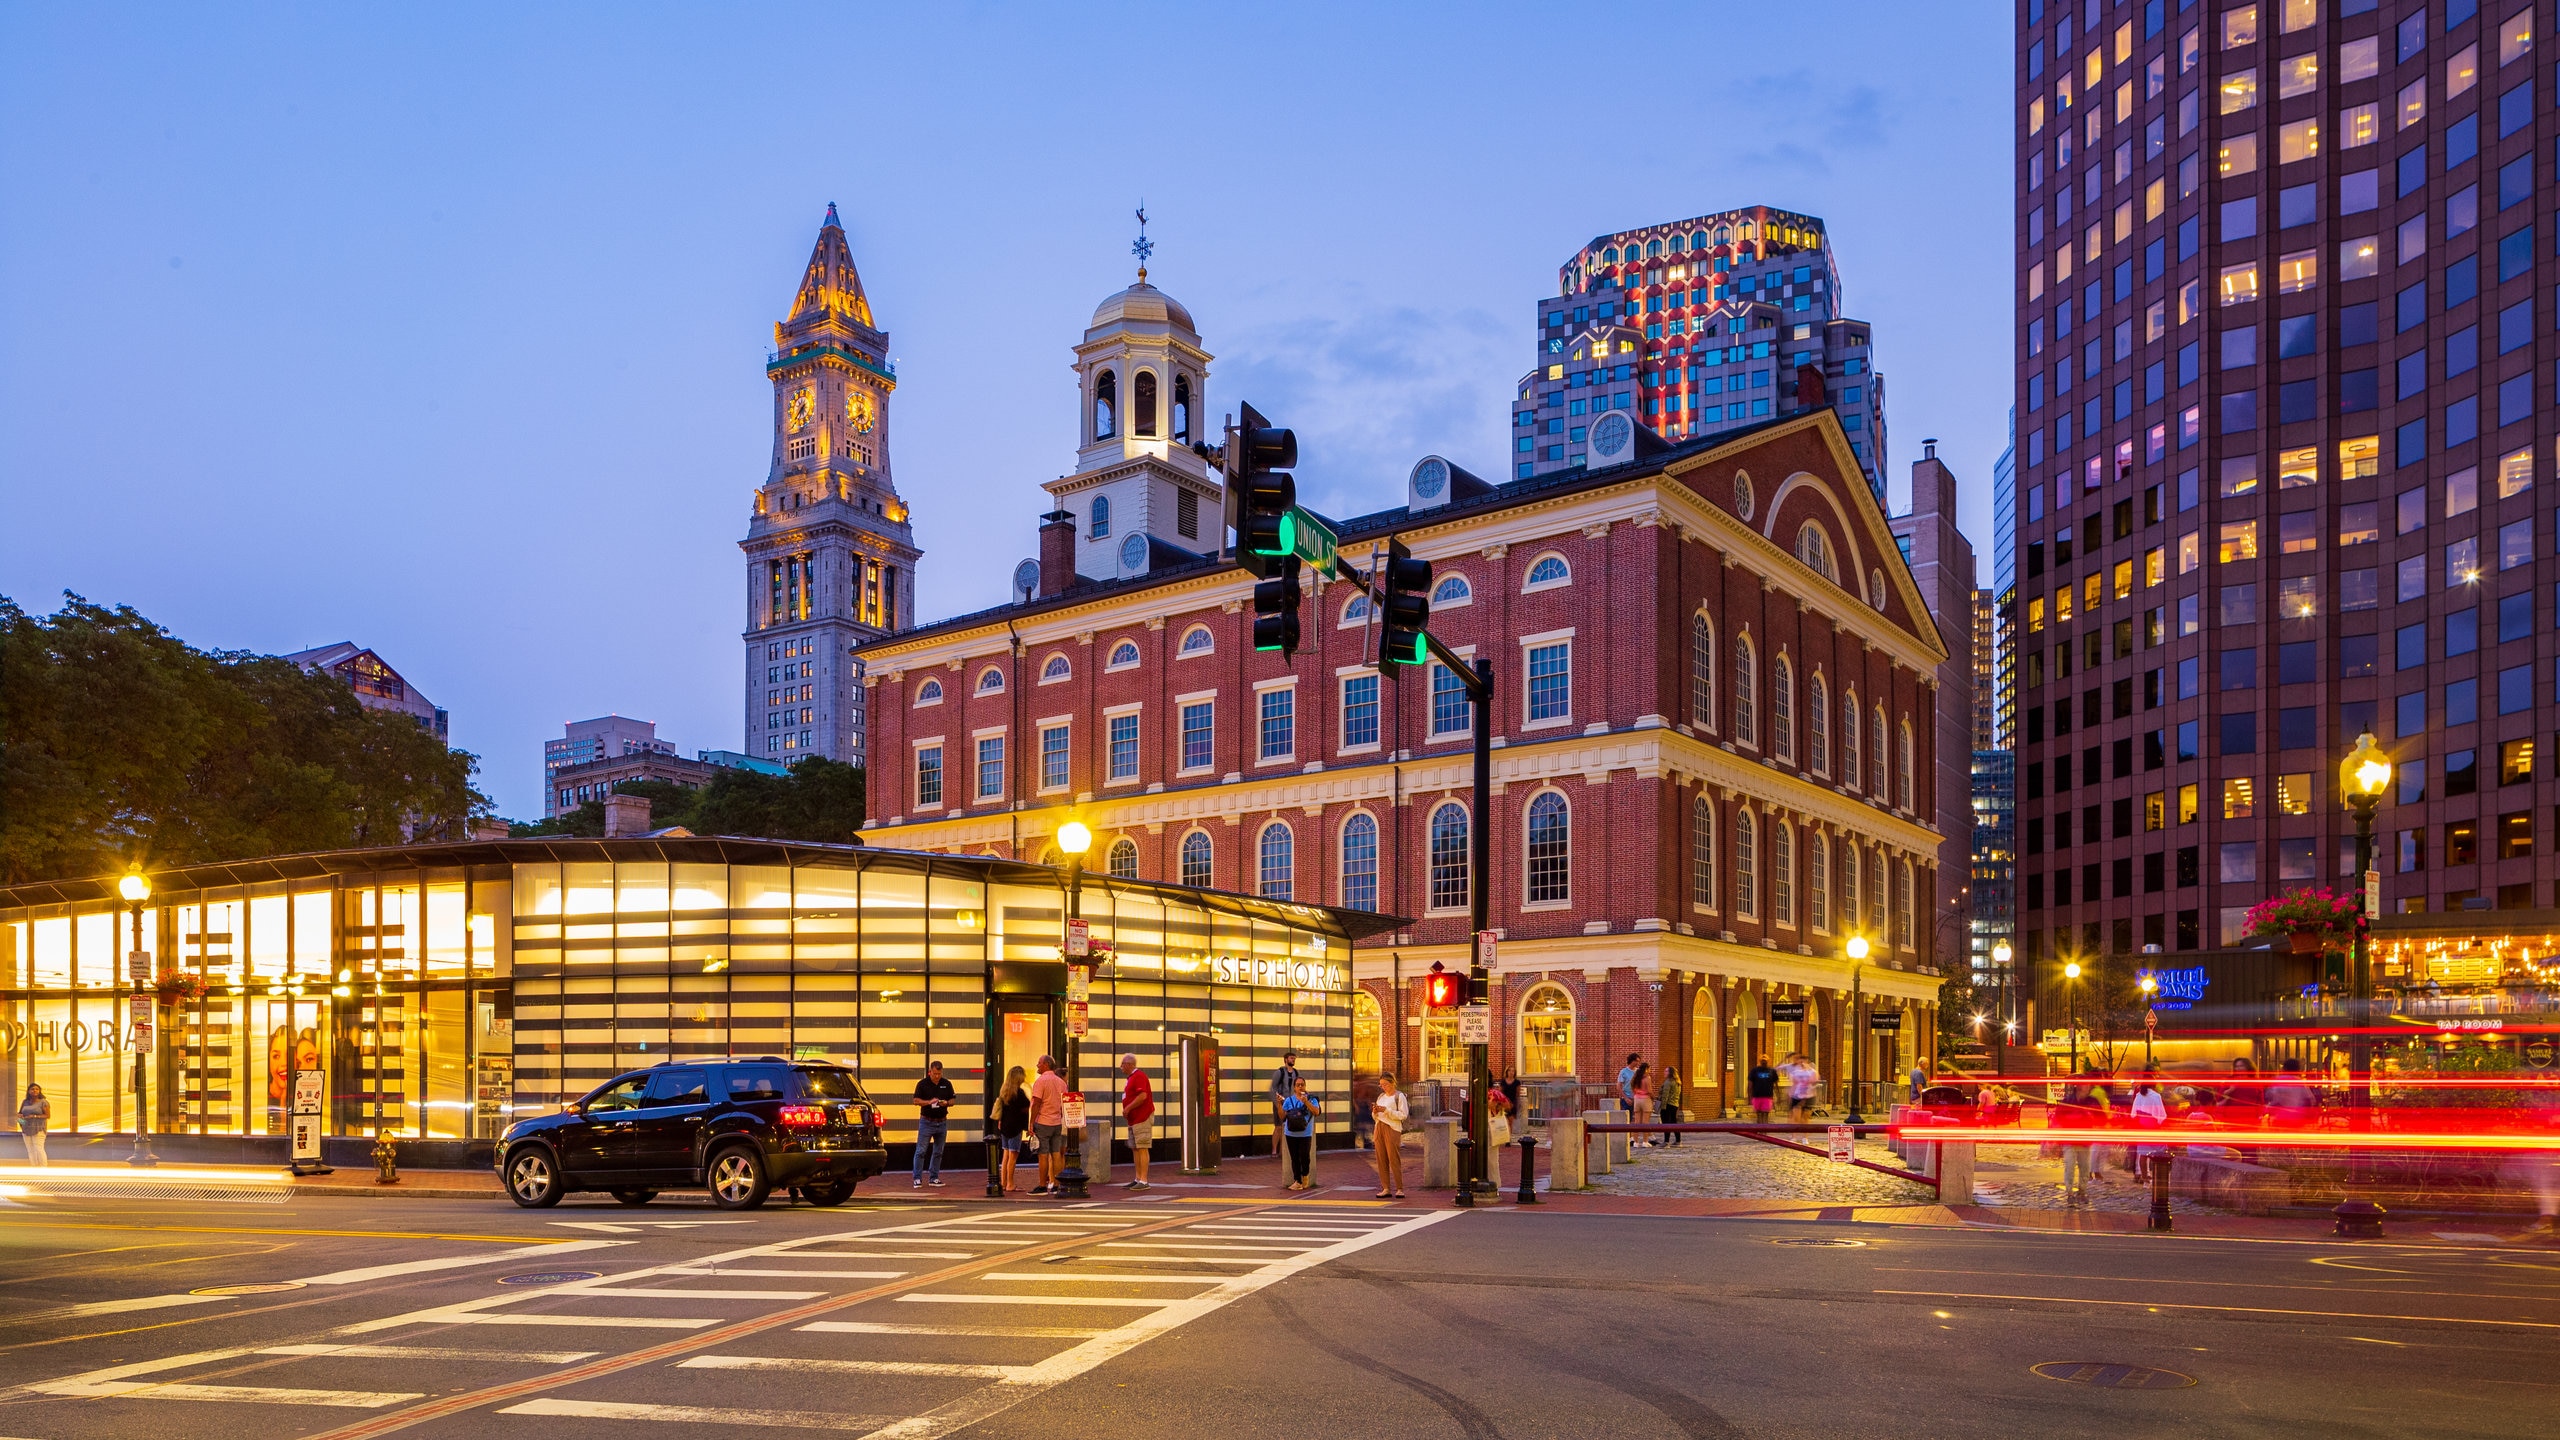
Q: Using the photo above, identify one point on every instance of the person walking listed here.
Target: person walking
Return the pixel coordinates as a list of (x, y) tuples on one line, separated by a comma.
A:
[(1284, 1083), (1640, 1098), (1298, 1128), (1388, 1113), (1627, 1084), (2150, 1111), (2084, 1107), (1048, 1123), (2289, 1104), (933, 1125), (1762, 1086), (1803, 1083), (34, 1113), (1138, 1112), (1671, 1103), (1011, 1121)]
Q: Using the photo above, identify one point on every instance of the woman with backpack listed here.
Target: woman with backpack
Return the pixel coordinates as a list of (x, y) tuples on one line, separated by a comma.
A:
[(1298, 1129)]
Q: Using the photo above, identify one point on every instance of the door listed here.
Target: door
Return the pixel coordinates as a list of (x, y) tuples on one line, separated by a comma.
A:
[(1024, 1035), (666, 1131), (592, 1146)]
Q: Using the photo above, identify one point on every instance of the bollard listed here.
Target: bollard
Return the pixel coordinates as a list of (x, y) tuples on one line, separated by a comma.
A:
[(2159, 1192), (1439, 1152), (1528, 1169), (1606, 1145), (1567, 1151), (1466, 1151), (1953, 1165), (386, 1158)]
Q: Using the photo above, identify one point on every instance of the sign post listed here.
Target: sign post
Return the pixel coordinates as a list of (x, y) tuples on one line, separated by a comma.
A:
[(1844, 1143), (1475, 1025)]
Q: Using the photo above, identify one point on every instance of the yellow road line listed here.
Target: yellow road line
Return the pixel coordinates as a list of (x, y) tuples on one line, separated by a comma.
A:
[(254, 1230)]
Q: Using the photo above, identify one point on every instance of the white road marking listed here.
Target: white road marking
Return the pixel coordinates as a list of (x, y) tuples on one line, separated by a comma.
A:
[(884, 1254), (1183, 1259), (1027, 1332), (627, 1226), (608, 1322), (846, 1367), (802, 1274), (432, 1352), (458, 1262), (1197, 1245), (140, 1302), (1022, 1300), (690, 1293), (1037, 1276), (692, 1415), (247, 1394)]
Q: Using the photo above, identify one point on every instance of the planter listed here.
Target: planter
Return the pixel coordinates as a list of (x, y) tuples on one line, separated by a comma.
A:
[(2308, 942)]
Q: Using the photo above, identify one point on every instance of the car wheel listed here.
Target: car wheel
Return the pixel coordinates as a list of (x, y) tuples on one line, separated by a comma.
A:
[(737, 1179), (635, 1197), (827, 1192), (533, 1180)]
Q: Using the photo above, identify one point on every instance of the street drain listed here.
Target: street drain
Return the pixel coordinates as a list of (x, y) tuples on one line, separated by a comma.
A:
[(550, 1277), (1824, 1243), (2112, 1377), (266, 1289)]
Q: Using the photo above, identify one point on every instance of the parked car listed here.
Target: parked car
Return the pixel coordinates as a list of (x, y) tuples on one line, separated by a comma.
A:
[(739, 1127)]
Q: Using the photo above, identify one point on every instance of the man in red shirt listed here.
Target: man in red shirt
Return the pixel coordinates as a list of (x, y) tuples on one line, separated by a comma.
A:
[(1138, 1109)]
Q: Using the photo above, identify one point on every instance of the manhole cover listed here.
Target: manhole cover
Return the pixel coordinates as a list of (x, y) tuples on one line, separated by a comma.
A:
[(550, 1277), (2112, 1377), (1823, 1243), (266, 1289)]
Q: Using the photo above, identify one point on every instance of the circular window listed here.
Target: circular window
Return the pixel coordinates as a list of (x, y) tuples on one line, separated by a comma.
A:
[(1613, 436), (1133, 553), (1430, 477), (1743, 500)]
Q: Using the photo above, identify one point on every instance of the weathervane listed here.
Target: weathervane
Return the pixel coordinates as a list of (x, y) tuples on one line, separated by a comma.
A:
[(1144, 247)]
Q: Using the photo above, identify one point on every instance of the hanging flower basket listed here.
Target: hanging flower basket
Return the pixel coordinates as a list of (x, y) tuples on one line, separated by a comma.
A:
[(178, 987), (2311, 919)]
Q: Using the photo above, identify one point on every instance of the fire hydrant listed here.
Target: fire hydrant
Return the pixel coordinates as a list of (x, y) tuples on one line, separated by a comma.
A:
[(386, 1158)]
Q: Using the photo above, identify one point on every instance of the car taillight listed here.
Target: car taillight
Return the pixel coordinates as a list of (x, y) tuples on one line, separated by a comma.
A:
[(803, 1116)]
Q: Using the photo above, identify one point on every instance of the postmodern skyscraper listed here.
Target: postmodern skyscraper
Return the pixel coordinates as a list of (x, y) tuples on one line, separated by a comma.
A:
[(2280, 458), (1697, 327), (830, 560)]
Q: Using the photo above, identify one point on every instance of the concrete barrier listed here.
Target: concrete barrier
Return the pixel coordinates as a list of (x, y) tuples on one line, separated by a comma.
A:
[(1604, 1153), (2229, 1184), (1440, 1152), (1565, 1167)]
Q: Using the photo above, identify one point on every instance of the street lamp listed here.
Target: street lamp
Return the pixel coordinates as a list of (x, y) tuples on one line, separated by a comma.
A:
[(2071, 1016), (2150, 1018), (2362, 777), (1856, 950), (1074, 839), (2001, 955), (135, 887)]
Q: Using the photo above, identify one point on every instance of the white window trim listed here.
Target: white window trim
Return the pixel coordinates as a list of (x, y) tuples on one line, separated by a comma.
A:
[(1343, 675), (920, 702), (914, 759), (1138, 656), (1114, 712), (1567, 902), (975, 735), (1439, 580), (1041, 729), (1194, 697), (1047, 679), (1532, 587), (1182, 648), (1473, 879), (1528, 643), (977, 790), (980, 686), (1184, 839), (1260, 689), (1345, 620), (1463, 732), (1180, 704)]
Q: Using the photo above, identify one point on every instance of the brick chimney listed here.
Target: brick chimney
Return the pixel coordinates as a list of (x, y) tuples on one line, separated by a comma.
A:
[(1057, 553), (626, 815)]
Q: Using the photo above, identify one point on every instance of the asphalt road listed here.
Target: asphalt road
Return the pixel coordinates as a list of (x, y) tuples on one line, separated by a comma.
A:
[(1173, 1319)]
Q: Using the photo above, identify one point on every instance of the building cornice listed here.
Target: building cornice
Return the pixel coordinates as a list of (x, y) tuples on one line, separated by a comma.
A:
[(1653, 955)]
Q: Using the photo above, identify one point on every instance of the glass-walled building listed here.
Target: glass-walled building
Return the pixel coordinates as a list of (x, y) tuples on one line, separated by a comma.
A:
[(443, 989)]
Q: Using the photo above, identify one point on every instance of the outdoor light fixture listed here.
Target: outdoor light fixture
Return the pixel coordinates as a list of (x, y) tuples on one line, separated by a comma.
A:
[(1075, 837), (134, 887), (2362, 778), (2365, 773), (1857, 947)]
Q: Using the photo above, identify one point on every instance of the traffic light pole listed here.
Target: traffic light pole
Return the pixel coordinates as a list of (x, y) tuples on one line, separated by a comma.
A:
[(1478, 679)]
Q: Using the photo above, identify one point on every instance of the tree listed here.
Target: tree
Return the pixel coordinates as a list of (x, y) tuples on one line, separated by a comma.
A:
[(121, 744)]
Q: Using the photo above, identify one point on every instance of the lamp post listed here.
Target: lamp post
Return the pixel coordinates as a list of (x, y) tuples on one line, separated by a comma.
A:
[(2001, 955), (1074, 839), (1856, 951), (2071, 1014), (2150, 1019), (2362, 777), (135, 887)]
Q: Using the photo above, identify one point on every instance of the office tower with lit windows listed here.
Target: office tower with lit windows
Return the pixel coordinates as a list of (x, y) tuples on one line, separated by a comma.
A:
[(1696, 327), (2280, 454)]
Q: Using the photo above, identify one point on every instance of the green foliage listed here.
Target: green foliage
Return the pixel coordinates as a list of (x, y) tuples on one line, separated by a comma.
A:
[(2438, 1060), (820, 800), (121, 743)]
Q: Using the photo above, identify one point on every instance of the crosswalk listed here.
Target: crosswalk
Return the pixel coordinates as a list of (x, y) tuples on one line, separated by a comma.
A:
[(908, 1331)]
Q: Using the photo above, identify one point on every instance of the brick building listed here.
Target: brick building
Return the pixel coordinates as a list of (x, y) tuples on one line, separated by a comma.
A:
[(1715, 745)]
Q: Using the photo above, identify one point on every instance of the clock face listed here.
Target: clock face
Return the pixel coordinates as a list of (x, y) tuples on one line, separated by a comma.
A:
[(804, 403), (857, 411), (1430, 477)]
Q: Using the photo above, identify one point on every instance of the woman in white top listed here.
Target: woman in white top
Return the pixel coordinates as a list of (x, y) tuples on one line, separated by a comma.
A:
[(1389, 1111)]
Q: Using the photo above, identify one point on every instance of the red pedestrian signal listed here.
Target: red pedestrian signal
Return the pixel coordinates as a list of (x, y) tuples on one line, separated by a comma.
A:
[(1442, 989)]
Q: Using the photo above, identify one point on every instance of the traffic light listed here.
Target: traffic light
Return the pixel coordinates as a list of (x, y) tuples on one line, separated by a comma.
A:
[(1442, 989), (1406, 583), (1275, 607), (1266, 498)]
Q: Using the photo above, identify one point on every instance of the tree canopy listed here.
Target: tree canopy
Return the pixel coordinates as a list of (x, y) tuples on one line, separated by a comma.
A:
[(121, 744), (820, 800)]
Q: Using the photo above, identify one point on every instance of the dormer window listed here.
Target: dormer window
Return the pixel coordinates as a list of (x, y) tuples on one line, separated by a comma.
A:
[(1106, 406)]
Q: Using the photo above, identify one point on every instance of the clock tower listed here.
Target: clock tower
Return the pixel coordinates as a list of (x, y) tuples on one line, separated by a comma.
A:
[(830, 558)]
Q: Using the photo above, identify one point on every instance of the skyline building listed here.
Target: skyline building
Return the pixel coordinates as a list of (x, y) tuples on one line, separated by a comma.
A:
[(1695, 328), (1941, 563), (377, 685)]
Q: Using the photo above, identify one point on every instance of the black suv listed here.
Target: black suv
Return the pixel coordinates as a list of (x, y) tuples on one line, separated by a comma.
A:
[(741, 1127)]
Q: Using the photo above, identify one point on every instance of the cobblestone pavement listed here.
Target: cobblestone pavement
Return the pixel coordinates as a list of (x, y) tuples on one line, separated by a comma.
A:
[(2016, 1176), (1727, 1167)]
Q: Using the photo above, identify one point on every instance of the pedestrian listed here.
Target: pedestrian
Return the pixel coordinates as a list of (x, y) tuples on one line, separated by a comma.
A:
[(1919, 1080), (1803, 1083), (1671, 1103), (2083, 1107), (1762, 1086), (1012, 1122), (1627, 1084), (1298, 1127), (1509, 1085), (1048, 1123), (933, 1125), (1138, 1112), (34, 1113), (2289, 1104), (1388, 1113), (1284, 1083), (1640, 1098), (2150, 1111)]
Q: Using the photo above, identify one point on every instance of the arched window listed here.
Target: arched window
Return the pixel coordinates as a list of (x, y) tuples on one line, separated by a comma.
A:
[(1782, 872), (1746, 865), (1702, 672), (1746, 692), (1782, 709), (1195, 859), (1817, 723), (1817, 882), (1548, 572), (1146, 403), (1368, 1026), (1055, 669), (1876, 771), (1849, 740), (1902, 767), (1849, 886), (1122, 861), (1550, 850), (1546, 1031), (1698, 241), (1814, 549), (1355, 610), (1182, 414), (1702, 852), (1449, 857), (1276, 861), (1124, 653), (1876, 897), (1198, 641), (1049, 856), (1106, 406), (1101, 525), (1452, 590), (990, 680), (1679, 243), (1902, 904), (1704, 1032), (929, 693), (1652, 248), (1609, 256), (1360, 862)]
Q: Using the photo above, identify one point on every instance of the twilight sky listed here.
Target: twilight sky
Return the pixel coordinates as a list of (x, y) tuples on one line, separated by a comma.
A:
[(442, 329)]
